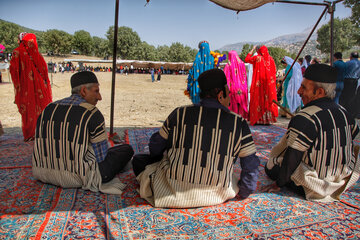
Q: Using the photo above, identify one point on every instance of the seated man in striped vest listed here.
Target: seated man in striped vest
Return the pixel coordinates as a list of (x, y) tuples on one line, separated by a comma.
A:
[(71, 147), (315, 157), (192, 157)]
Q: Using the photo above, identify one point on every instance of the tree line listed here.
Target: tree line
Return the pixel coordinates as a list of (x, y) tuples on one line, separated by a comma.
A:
[(129, 45)]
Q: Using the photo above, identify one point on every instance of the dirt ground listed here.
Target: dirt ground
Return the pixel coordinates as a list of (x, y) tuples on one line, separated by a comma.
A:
[(138, 101)]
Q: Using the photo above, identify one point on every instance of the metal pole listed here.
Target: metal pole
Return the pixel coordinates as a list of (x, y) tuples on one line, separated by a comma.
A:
[(302, 48), (114, 68), (331, 12), (303, 3)]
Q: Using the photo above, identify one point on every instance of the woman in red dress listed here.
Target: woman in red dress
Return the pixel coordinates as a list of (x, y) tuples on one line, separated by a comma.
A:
[(263, 87), (31, 82)]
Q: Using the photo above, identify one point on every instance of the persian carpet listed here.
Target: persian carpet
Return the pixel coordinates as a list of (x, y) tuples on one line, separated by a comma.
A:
[(14, 152), (33, 210)]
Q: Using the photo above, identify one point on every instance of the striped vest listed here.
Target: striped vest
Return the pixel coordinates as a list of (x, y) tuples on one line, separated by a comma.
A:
[(63, 154), (197, 169), (324, 131)]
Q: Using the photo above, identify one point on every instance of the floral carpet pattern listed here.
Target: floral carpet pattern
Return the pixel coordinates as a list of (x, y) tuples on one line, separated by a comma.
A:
[(32, 210)]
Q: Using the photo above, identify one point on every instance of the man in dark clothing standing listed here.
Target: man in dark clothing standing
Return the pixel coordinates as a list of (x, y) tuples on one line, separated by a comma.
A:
[(352, 75), (341, 69)]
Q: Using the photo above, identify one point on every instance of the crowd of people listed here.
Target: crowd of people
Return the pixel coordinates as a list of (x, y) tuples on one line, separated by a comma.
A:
[(190, 159), (62, 67)]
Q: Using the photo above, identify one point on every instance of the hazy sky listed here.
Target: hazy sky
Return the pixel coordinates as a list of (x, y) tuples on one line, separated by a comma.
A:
[(162, 22)]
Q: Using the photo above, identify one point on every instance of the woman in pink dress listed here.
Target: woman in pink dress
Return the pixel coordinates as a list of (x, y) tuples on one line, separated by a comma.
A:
[(235, 72)]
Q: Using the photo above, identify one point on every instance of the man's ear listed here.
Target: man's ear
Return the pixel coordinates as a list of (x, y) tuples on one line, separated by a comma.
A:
[(321, 91), (220, 96), (83, 91)]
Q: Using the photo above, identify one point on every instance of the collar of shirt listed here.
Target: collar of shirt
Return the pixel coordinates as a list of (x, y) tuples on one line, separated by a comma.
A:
[(319, 101), (212, 103), (74, 99)]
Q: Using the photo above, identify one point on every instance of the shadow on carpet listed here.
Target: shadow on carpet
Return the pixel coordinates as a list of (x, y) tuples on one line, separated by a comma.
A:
[(30, 209)]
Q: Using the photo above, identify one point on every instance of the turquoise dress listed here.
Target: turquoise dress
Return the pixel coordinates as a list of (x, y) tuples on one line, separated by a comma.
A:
[(286, 83), (203, 61)]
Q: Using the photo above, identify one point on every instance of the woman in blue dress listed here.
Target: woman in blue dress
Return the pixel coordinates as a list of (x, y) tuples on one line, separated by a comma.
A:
[(203, 61)]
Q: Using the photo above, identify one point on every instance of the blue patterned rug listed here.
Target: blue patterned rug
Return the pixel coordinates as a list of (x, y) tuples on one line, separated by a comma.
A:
[(264, 215), (32, 210), (14, 152)]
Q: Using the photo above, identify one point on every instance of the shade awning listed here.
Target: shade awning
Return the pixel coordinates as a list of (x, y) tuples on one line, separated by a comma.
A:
[(241, 5)]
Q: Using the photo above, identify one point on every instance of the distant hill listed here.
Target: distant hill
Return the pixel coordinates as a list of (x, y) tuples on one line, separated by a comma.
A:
[(290, 42), (25, 29)]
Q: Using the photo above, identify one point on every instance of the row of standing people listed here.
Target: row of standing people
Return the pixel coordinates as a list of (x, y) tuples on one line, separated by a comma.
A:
[(260, 111), (261, 108)]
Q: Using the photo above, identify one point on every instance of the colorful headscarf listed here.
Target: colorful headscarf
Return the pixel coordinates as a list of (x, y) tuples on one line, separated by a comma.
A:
[(203, 61), (293, 98), (235, 72)]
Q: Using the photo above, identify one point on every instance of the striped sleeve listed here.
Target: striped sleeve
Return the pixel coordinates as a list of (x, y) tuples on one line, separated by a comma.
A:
[(247, 145), (96, 127), (170, 121), (355, 130), (301, 132)]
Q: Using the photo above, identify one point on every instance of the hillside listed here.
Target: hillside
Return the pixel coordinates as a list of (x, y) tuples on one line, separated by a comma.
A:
[(290, 42)]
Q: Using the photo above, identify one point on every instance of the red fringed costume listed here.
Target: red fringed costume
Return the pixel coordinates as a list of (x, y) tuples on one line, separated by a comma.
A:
[(31, 82), (263, 88)]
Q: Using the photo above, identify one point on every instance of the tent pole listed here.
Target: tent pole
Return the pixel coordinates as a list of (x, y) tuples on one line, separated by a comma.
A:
[(114, 67), (331, 12), (303, 3), (312, 31)]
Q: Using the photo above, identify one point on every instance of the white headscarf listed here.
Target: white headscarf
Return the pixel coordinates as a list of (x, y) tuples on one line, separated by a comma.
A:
[(304, 63), (293, 98), (22, 35)]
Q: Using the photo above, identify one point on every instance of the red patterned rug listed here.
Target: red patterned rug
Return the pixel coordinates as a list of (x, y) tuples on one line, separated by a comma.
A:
[(32, 210)]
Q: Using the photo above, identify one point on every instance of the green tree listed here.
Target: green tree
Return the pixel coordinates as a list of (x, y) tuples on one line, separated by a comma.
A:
[(57, 41), (279, 53), (40, 41), (355, 11), (101, 47), (245, 50), (180, 53), (355, 17), (344, 38), (82, 42), (146, 52), (128, 41), (9, 35), (163, 53)]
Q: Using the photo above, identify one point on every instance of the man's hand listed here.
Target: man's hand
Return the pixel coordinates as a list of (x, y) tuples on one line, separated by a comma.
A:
[(272, 188)]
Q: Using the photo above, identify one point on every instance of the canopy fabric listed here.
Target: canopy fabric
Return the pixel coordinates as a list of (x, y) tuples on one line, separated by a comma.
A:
[(241, 5)]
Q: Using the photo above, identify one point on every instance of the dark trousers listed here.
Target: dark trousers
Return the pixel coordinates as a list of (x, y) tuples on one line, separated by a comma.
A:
[(140, 161), (116, 159), (273, 174), (355, 104), (348, 95)]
